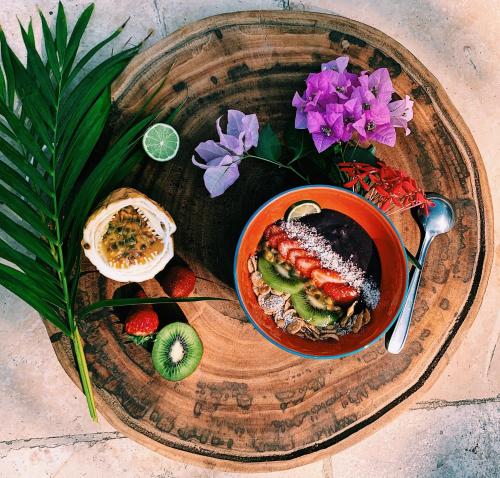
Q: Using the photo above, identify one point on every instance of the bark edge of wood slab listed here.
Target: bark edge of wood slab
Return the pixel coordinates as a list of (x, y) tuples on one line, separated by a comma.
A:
[(250, 406)]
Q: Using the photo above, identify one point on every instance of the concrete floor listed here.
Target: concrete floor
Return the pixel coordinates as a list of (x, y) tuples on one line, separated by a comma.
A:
[(453, 431)]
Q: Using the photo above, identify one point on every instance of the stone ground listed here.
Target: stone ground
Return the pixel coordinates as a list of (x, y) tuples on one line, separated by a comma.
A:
[(453, 431)]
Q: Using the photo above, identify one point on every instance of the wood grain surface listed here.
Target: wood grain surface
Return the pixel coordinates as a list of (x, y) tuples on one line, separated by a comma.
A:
[(250, 406)]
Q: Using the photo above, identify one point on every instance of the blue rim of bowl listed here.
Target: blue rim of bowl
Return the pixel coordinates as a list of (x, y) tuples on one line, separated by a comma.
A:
[(256, 326)]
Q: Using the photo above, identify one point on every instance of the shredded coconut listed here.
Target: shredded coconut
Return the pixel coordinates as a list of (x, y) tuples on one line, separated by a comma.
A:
[(316, 244)]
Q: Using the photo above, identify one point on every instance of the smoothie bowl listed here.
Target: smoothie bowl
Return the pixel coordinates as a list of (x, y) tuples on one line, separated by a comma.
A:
[(320, 271)]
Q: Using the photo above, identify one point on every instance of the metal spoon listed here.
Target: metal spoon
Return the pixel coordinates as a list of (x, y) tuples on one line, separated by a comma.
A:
[(441, 219)]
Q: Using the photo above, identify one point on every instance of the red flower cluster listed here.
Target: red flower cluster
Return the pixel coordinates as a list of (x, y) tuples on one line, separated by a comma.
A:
[(390, 189)]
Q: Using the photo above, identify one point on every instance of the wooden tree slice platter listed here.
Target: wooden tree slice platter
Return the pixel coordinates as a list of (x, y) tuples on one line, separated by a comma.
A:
[(251, 406)]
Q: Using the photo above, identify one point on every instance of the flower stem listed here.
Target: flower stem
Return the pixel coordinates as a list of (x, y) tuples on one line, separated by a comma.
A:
[(280, 165)]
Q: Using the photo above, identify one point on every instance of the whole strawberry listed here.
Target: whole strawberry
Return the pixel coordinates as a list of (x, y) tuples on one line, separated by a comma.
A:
[(141, 324), (179, 281)]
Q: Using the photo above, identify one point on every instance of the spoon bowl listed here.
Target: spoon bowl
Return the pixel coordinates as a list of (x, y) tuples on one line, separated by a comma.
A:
[(440, 220), (441, 217)]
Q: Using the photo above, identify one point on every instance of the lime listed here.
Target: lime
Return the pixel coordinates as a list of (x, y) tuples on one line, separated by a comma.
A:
[(301, 209), (161, 142)]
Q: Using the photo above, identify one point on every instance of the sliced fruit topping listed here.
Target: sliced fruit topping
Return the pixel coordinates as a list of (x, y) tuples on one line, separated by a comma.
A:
[(307, 265), (311, 314), (301, 209), (179, 281), (177, 351), (285, 246), (324, 276), (271, 230), (275, 280), (341, 294), (276, 239), (294, 254), (143, 321)]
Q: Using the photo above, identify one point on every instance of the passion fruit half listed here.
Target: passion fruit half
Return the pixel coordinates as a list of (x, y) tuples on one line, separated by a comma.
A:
[(128, 238)]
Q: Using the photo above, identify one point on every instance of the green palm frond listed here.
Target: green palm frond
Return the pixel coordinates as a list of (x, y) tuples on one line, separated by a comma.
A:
[(53, 115)]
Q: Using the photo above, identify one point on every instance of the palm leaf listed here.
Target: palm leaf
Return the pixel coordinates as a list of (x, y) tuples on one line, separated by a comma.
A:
[(51, 176)]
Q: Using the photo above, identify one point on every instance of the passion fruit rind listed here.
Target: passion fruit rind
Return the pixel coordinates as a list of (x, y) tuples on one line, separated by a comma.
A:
[(128, 238)]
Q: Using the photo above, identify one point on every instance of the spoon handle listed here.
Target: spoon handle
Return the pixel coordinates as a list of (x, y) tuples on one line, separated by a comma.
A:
[(400, 332)]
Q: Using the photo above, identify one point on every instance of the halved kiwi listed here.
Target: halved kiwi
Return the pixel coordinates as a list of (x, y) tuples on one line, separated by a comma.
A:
[(177, 351), (311, 314), (275, 280)]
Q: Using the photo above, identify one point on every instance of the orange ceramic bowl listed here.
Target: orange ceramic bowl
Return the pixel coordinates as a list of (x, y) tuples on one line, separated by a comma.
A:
[(393, 261)]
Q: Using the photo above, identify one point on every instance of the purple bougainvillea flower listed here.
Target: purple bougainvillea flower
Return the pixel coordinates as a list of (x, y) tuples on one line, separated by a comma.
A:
[(220, 174), (353, 118), (242, 132), (319, 89), (210, 151), (340, 64), (300, 115), (337, 105), (401, 112), (326, 129), (379, 83), (222, 158)]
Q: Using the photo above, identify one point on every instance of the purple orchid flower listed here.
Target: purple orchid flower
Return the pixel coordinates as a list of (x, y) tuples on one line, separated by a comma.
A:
[(401, 112), (222, 158)]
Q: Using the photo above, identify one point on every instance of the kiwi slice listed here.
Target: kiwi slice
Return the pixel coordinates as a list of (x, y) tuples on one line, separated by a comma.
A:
[(276, 281), (312, 315), (177, 351)]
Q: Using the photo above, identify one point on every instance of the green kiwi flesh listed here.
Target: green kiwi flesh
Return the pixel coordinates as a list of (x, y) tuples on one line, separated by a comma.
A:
[(312, 315), (275, 280), (177, 351)]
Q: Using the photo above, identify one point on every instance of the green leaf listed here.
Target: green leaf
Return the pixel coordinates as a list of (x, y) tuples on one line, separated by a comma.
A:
[(85, 311), (76, 36), (25, 212), (40, 289), (82, 144), (32, 298), (31, 34), (360, 155), (294, 139), (28, 265), (10, 84), (413, 259), (61, 33), (84, 95), (50, 48), (269, 146), (28, 240), (36, 66), (25, 137), (25, 167), (15, 181), (69, 75), (171, 117)]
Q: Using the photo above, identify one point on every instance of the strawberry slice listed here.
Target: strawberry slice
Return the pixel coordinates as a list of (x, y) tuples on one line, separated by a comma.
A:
[(284, 247), (307, 265), (341, 294), (271, 230), (275, 239), (294, 254), (324, 276)]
